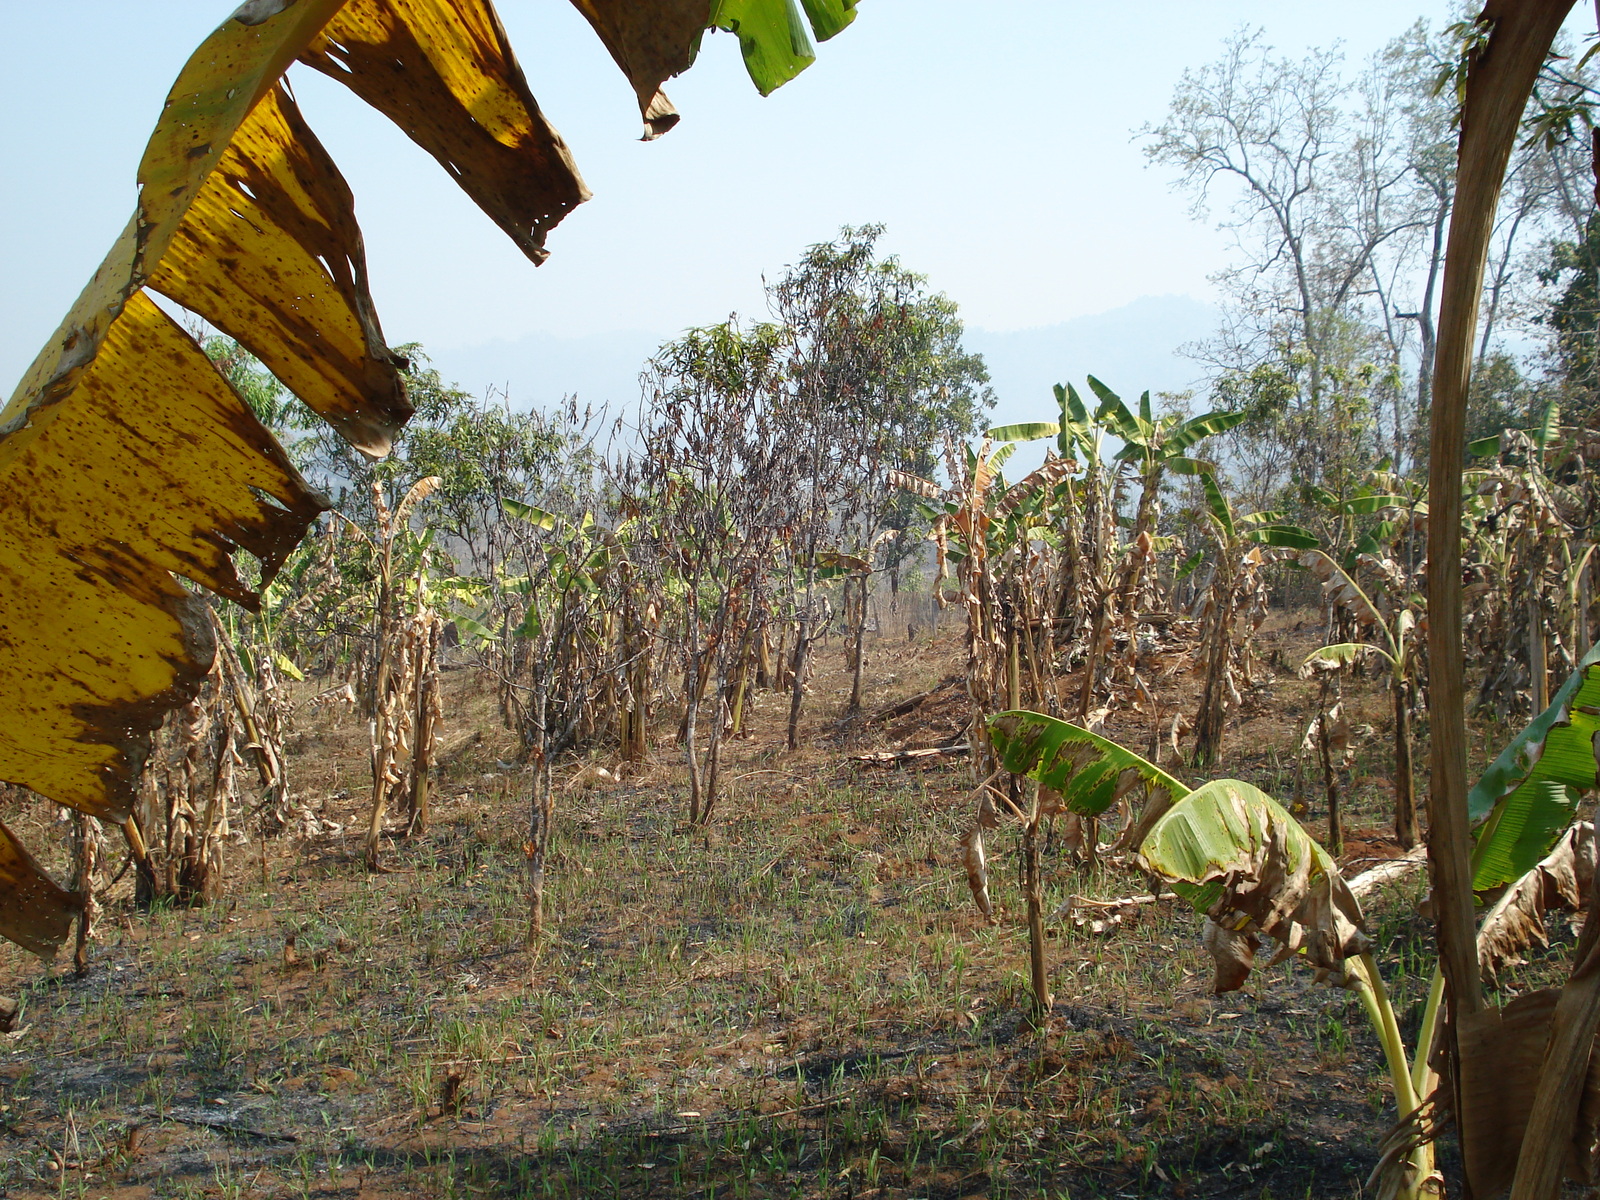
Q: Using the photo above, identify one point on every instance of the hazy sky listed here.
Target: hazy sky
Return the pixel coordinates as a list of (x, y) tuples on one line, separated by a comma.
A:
[(999, 152)]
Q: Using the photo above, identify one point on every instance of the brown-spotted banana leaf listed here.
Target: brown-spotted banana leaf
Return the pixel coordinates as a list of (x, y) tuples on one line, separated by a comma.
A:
[(1529, 795), (1091, 773), (1239, 857), (127, 460), (651, 43), (34, 912), (444, 72)]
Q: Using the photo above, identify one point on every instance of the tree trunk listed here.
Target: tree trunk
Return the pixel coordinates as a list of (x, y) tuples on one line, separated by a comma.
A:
[(691, 720), (1211, 721), (858, 649), (1039, 1008), (539, 819), (797, 687)]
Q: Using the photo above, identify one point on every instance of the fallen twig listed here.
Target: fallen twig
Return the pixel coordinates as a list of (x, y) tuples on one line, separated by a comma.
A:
[(889, 757), (1389, 871), (225, 1125)]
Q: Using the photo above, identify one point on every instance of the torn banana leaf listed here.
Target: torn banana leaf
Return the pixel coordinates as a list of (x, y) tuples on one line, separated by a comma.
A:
[(34, 913), (443, 71), (1090, 772), (271, 254), (128, 462), (1235, 854), (1563, 879), (1530, 793), (651, 43), (150, 466)]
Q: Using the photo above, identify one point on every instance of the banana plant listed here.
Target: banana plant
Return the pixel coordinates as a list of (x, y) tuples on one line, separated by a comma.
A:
[(1531, 507), (399, 699), (1241, 859), (1396, 628), (992, 534), (1236, 585), (1235, 855), (1152, 448), (1084, 510)]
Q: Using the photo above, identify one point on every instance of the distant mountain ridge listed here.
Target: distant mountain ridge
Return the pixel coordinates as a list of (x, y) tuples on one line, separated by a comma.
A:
[(1131, 349)]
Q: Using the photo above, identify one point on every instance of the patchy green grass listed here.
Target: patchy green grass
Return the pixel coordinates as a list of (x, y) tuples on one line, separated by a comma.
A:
[(800, 1003)]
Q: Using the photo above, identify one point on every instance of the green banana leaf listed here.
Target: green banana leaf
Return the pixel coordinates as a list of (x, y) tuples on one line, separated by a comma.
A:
[(1204, 835), (829, 17), (1549, 430), (773, 38), (475, 629), (1372, 542), (533, 515), (1289, 537), (1126, 426), (1023, 431), (1237, 855), (1363, 506), (1218, 504), (1196, 428), (1090, 772), (1530, 793)]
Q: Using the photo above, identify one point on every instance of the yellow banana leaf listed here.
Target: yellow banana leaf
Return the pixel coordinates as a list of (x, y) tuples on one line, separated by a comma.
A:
[(34, 912), (127, 460), (443, 71), (128, 463)]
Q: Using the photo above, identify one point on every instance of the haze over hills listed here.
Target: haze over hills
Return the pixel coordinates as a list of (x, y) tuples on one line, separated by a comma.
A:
[(1131, 348)]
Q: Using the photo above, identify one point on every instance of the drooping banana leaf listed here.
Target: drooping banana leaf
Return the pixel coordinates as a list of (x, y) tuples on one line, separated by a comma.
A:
[(915, 484), (1343, 654), (444, 72), (1196, 429), (1529, 794), (773, 35), (1285, 537), (1564, 878), (127, 461), (1035, 486), (1090, 772), (651, 43), (1239, 857), (1023, 431)]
